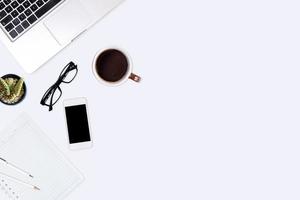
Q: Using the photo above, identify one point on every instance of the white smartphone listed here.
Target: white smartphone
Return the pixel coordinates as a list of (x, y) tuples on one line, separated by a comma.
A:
[(79, 131)]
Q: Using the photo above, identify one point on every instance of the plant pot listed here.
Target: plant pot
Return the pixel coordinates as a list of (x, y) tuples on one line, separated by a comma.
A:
[(24, 88)]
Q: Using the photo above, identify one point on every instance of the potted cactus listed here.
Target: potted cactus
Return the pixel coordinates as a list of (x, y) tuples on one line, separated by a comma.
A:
[(12, 89)]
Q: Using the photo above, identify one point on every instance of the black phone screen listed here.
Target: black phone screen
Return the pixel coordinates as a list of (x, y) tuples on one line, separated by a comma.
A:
[(77, 123)]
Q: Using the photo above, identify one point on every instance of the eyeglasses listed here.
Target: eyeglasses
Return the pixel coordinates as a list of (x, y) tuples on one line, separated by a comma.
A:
[(54, 93)]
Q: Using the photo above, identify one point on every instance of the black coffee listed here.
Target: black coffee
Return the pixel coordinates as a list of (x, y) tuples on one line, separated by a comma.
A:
[(112, 65)]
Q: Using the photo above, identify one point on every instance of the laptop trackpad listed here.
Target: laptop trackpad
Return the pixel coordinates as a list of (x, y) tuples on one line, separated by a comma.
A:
[(68, 22)]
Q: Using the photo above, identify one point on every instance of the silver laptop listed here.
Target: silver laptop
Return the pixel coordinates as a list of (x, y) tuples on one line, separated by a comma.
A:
[(36, 30)]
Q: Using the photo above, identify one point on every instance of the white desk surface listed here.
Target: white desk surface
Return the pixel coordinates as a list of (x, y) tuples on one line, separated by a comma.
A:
[(215, 117)]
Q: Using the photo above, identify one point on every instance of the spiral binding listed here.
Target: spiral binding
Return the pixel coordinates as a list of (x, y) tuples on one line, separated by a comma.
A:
[(8, 191)]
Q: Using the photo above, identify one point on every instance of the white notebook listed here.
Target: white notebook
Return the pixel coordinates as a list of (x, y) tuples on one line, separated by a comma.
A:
[(26, 146)]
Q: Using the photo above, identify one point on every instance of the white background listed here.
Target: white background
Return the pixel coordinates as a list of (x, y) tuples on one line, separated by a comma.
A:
[(215, 117)]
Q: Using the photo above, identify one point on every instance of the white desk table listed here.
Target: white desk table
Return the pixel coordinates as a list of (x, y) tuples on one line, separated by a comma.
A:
[(215, 117)]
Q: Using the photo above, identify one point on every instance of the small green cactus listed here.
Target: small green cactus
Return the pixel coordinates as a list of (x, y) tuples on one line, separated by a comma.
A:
[(4, 87), (11, 89), (18, 87)]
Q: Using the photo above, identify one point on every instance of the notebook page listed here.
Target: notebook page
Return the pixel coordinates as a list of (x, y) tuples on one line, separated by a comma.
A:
[(3, 195), (30, 149)]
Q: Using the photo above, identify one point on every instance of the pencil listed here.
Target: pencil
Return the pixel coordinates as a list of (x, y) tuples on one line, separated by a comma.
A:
[(20, 181), (15, 167)]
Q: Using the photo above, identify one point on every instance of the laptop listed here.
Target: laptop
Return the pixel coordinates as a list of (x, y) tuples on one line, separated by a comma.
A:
[(36, 30)]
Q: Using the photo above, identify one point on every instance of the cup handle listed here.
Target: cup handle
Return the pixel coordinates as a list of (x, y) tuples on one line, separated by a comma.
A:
[(135, 77)]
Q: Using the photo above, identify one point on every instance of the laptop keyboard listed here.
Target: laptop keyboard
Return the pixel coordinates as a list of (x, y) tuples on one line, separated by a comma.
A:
[(18, 16)]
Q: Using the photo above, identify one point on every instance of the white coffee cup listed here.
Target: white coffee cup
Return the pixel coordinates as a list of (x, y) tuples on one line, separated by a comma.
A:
[(127, 75)]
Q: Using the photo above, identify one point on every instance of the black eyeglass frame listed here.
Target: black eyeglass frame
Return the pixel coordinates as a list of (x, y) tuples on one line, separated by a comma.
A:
[(56, 86)]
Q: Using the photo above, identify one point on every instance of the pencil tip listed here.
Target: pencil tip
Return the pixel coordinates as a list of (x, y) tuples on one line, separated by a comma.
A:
[(36, 188)]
